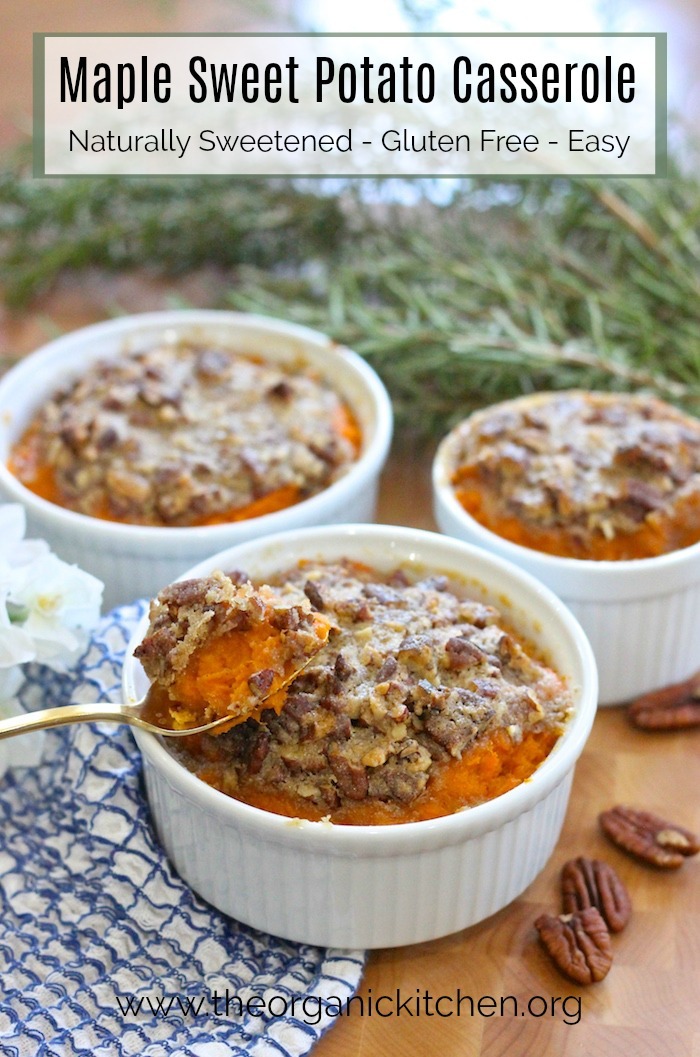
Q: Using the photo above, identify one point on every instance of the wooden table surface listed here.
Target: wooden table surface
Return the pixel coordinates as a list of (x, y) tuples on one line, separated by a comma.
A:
[(649, 1004)]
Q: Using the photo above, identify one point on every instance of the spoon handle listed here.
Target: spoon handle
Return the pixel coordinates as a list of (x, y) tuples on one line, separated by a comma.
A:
[(91, 713), (57, 717)]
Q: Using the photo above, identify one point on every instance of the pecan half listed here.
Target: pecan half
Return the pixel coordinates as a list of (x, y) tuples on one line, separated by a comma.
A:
[(649, 837), (671, 708), (578, 944), (592, 883)]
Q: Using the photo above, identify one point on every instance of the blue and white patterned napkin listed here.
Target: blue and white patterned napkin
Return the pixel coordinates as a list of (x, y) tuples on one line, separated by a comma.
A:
[(104, 951)]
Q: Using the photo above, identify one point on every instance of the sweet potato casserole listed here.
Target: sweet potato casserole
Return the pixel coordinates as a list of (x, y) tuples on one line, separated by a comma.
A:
[(373, 698), (184, 435), (583, 475)]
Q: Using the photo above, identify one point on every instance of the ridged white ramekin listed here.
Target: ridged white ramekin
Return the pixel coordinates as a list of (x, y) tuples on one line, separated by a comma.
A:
[(641, 617), (135, 560), (375, 886)]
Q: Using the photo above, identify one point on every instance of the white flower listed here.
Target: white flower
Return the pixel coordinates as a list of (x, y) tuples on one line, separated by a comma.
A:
[(16, 645), (56, 603), (10, 682), (46, 605), (46, 610), (14, 549)]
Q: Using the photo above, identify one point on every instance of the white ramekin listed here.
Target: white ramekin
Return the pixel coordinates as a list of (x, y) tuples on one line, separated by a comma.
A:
[(375, 886), (135, 560), (641, 617)]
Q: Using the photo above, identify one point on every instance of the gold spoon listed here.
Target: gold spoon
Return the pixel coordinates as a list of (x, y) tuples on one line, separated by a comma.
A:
[(110, 712), (104, 711)]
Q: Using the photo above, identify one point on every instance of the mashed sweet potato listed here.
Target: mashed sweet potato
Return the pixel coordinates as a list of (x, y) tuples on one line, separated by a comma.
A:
[(598, 476), (183, 435), (420, 702)]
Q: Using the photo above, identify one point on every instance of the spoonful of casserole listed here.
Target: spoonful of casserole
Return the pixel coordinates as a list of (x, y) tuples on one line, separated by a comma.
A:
[(217, 653), (219, 650)]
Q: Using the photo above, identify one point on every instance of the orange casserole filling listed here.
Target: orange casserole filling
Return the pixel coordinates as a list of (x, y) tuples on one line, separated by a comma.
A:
[(663, 535), (489, 769), (353, 698), (27, 465), (600, 476)]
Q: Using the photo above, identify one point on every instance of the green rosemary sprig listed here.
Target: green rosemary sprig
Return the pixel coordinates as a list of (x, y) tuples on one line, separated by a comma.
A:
[(175, 226), (510, 287), (571, 284)]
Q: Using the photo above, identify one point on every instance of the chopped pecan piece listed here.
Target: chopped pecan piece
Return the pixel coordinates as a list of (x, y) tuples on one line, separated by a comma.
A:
[(463, 653), (341, 668), (314, 595), (351, 777), (592, 883), (258, 752), (299, 705), (649, 837), (671, 708), (282, 390), (578, 944), (643, 495), (212, 363), (260, 682), (388, 668)]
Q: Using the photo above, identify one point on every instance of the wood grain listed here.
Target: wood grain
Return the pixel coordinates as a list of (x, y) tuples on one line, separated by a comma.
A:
[(648, 1004)]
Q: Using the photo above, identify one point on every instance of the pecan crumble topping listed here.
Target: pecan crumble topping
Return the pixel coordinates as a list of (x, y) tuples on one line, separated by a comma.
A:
[(182, 434), (413, 679), (585, 475)]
